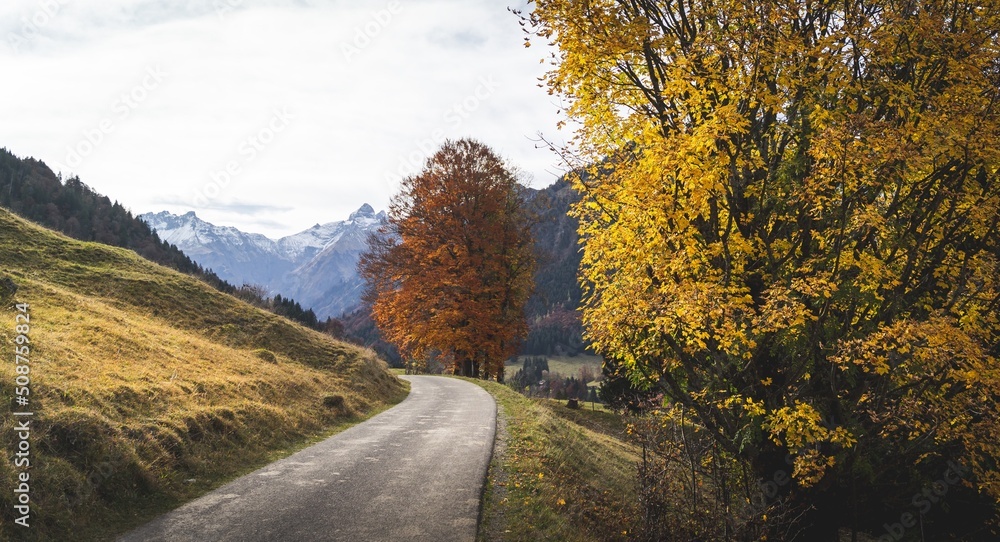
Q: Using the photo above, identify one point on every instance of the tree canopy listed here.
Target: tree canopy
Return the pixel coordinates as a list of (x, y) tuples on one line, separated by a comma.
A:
[(792, 229), (451, 272)]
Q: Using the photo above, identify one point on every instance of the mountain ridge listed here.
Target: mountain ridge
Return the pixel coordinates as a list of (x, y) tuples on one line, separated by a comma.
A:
[(316, 266)]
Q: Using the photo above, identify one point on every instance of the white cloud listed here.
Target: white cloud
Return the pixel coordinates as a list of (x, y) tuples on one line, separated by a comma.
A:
[(355, 117)]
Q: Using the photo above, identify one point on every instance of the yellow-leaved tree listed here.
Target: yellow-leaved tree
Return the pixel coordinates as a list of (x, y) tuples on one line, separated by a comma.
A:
[(792, 232)]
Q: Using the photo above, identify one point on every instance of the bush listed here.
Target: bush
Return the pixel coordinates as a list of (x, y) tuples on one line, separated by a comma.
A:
[(334, 401), (265, 355)]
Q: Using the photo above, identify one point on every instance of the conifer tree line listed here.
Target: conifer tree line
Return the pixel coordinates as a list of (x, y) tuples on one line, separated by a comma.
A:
[(30, 189)]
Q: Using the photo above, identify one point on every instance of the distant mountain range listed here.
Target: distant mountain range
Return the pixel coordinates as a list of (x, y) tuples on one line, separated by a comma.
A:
[(317, 267), (554, 322)]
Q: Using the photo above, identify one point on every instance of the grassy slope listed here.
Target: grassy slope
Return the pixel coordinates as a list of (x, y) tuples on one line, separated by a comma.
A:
[(564, 365), (150, 387), (559, 474)]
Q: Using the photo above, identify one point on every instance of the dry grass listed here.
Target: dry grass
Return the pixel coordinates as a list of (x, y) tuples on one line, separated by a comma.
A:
[(150, 387)]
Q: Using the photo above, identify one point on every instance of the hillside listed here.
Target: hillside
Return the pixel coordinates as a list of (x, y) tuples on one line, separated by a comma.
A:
[(30, 189), (555, 327), (558, 247), (149, 387)]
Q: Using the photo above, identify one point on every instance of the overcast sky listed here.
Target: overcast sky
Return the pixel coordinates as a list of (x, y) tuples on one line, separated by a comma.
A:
[(267, 115)]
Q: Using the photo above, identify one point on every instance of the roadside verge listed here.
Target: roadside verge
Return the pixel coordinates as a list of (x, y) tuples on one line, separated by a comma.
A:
[(557, 473)]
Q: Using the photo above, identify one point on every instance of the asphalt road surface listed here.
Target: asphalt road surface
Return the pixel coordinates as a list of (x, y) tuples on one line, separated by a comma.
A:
[(414, 472)]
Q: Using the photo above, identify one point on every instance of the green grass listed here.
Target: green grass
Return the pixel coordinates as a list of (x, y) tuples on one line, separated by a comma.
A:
[(559, 474), (589, 407), (149, 387), (564, 365)]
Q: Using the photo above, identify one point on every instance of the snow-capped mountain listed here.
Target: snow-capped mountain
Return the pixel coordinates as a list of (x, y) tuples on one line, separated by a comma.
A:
[(316, 267)]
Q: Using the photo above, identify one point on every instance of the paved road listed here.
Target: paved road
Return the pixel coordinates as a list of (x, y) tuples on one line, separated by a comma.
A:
[(414, 472)]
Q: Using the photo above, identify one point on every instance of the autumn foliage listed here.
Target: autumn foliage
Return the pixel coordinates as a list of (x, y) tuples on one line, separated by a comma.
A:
[(450, 273), (793, 233)]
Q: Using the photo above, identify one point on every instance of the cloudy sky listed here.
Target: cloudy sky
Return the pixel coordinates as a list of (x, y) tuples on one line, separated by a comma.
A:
[(267, 115)]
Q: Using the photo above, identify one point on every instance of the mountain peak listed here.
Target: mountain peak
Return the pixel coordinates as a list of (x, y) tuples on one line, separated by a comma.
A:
[(317, 267), (365, 211)]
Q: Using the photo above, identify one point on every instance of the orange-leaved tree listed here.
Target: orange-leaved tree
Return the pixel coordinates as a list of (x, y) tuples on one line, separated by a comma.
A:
[(794, 233), (450, 273)]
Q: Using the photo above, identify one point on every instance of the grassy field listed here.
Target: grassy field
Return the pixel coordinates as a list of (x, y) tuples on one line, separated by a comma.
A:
[(558, 474), (148, 387), (564, 365)]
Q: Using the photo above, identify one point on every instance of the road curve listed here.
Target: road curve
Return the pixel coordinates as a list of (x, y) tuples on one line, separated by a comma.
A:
[(414, 472)]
